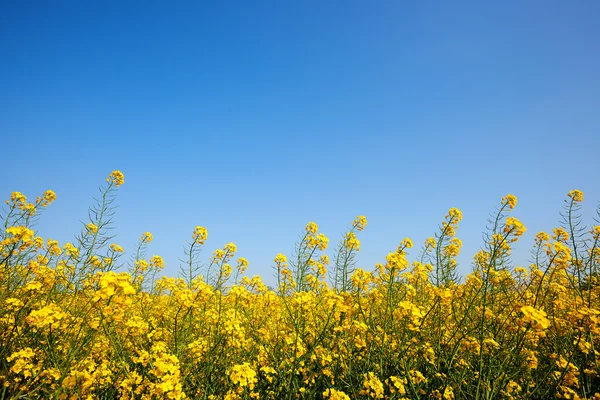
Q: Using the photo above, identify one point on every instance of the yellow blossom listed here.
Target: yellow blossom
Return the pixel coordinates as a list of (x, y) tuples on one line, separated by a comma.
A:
[(312, 228), (576, 196), (535, 317), (360, 222), (200, 235), (146, 237), (372, 386), (333, 394), (116, 248), (510, 201), (157, 262), (92, 228), (116, 177), (243, 375)]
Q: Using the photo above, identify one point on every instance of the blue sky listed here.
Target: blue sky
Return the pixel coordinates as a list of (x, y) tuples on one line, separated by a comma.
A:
[(254, 118)]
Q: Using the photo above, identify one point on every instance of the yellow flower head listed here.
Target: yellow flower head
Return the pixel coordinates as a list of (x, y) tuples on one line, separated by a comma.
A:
[(514, 227), (510, 201), (576, 196), (116, 177), (157, 262), (200, 235), (396, 261), (560, 234), (453, 248), (146, 237), (48, 197), (396, 384), (243, 375), (406, 244), (218, 255), (351, 242), (322, 241), (91, 228), (71, 250), (361, 278), (372, 386), (230, 248), (541, 237), (242, 264), (360, 222), (21, 233), (312, 228), (536, 317), (430, 243), (116, 248), (455, 215), (333, 394), (280, 259), (17, 198)]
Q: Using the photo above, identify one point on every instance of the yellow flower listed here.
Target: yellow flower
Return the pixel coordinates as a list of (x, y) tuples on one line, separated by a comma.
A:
[(311, 228), (18, 197), (322, 242), (226, 268), (455, 215), (448, 393), (405, 244), (116, 177), (372, 386), (281, 259), (243, 375), (510, 201), (218, 255), (48, 197), (536, 317), (50, 314), (333, 394), (560, 234), (430, 243), (230, 248), (396, 261), (416, 377), (92, 228), (512, 387), (157, 262), (396, 385), (541, 237), (453, 248), (22, 362), (360, 222), (116, 248), (71, 250), (141, 266), (200, 235), (514, 227), (361, 279), (21, 233), (146, 237), (351, 242), (576, 196)]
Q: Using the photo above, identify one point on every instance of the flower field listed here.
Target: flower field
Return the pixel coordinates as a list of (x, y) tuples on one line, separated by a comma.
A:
[(80, 321)]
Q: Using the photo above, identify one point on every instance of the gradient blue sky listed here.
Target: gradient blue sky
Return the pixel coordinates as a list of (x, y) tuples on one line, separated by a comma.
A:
[(254, 118)]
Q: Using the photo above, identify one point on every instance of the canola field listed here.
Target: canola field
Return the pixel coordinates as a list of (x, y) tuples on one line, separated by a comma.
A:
[(81, 321)]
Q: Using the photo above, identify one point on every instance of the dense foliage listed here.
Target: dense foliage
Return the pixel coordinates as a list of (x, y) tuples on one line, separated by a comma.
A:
[(78, 322)]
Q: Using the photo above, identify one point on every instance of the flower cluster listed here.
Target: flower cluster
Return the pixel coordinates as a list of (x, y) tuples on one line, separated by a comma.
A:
[(72, 325)]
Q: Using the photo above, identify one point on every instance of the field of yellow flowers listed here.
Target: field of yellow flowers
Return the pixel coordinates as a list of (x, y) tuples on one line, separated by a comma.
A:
[(77, 322)]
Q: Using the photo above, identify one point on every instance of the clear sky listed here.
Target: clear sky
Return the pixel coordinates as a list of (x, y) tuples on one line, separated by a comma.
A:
[(252, 118)]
